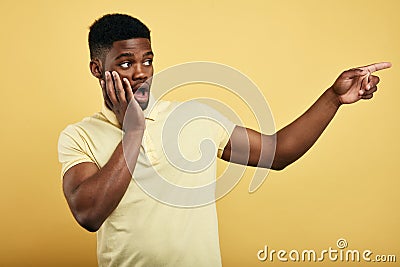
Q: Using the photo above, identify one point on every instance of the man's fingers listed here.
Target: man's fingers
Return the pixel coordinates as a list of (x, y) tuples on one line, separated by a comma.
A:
[(352, 73), (374, 80), (364, 84), (129, 93), (119, 88), (110, 88), (370, 81), (361, 71), (371, 91), (367, 96), (376, 67)]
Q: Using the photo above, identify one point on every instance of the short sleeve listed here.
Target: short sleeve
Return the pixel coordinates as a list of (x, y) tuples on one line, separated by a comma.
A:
[(225, 132), (222, 125), (72, 149)]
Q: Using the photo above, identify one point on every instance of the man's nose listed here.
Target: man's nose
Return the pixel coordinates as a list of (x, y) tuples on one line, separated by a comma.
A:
[(139, 72)]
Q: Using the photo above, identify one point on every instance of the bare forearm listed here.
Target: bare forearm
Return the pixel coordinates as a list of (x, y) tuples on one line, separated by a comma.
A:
[(96, 197), (249, 147), (295, 139)]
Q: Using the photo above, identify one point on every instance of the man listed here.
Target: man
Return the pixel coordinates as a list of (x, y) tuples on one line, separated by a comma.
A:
[(101, 154)]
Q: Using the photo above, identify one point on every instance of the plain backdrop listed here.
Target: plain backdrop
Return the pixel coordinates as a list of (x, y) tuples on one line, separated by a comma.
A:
[(346, 186)]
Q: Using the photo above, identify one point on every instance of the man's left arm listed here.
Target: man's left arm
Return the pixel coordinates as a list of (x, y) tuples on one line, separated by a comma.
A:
[(249, 147)]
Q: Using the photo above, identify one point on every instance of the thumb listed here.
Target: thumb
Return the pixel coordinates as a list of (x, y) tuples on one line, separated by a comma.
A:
[(352, 73)]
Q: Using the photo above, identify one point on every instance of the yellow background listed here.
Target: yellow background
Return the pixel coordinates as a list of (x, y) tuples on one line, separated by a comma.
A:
[(346, 186)]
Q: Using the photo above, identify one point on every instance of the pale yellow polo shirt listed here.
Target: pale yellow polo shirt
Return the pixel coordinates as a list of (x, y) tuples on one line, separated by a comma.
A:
[(143, 231)]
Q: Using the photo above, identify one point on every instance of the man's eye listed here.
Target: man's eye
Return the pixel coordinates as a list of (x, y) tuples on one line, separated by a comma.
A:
[(147, 62), (125, 65)]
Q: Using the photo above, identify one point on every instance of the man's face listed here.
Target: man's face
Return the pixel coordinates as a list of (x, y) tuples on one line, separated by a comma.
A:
[(133, 59)]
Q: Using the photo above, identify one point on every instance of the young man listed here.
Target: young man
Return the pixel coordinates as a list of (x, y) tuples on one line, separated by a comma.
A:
[(101, 154)]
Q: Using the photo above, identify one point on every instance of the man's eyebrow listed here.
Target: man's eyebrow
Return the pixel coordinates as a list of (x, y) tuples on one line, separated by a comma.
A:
[(148, 53), (129, 54), (124, 55)]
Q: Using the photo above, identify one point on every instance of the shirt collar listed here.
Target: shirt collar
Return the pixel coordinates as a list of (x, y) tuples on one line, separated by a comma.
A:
[(148, 115)]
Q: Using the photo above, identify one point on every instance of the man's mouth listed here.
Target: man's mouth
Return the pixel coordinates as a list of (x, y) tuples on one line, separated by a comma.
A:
[(141, 92)]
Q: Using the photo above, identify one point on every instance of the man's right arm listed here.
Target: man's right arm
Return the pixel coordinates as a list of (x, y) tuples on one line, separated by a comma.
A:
[(93, 194)]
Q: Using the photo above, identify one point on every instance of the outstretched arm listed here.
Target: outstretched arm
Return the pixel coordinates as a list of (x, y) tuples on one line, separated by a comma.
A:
[(251, 148)]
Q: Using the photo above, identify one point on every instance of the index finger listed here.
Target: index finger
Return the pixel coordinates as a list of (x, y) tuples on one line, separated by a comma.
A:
[(377, 66)]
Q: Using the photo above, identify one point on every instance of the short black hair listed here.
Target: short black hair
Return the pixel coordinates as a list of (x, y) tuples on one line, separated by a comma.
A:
[(111, 28)]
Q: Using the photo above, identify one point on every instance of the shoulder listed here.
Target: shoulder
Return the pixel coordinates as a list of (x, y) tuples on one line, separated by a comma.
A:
[(84, 128), (80, 125)]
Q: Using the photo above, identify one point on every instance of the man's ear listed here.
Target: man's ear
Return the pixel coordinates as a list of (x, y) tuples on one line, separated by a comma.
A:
[(96, 68)]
